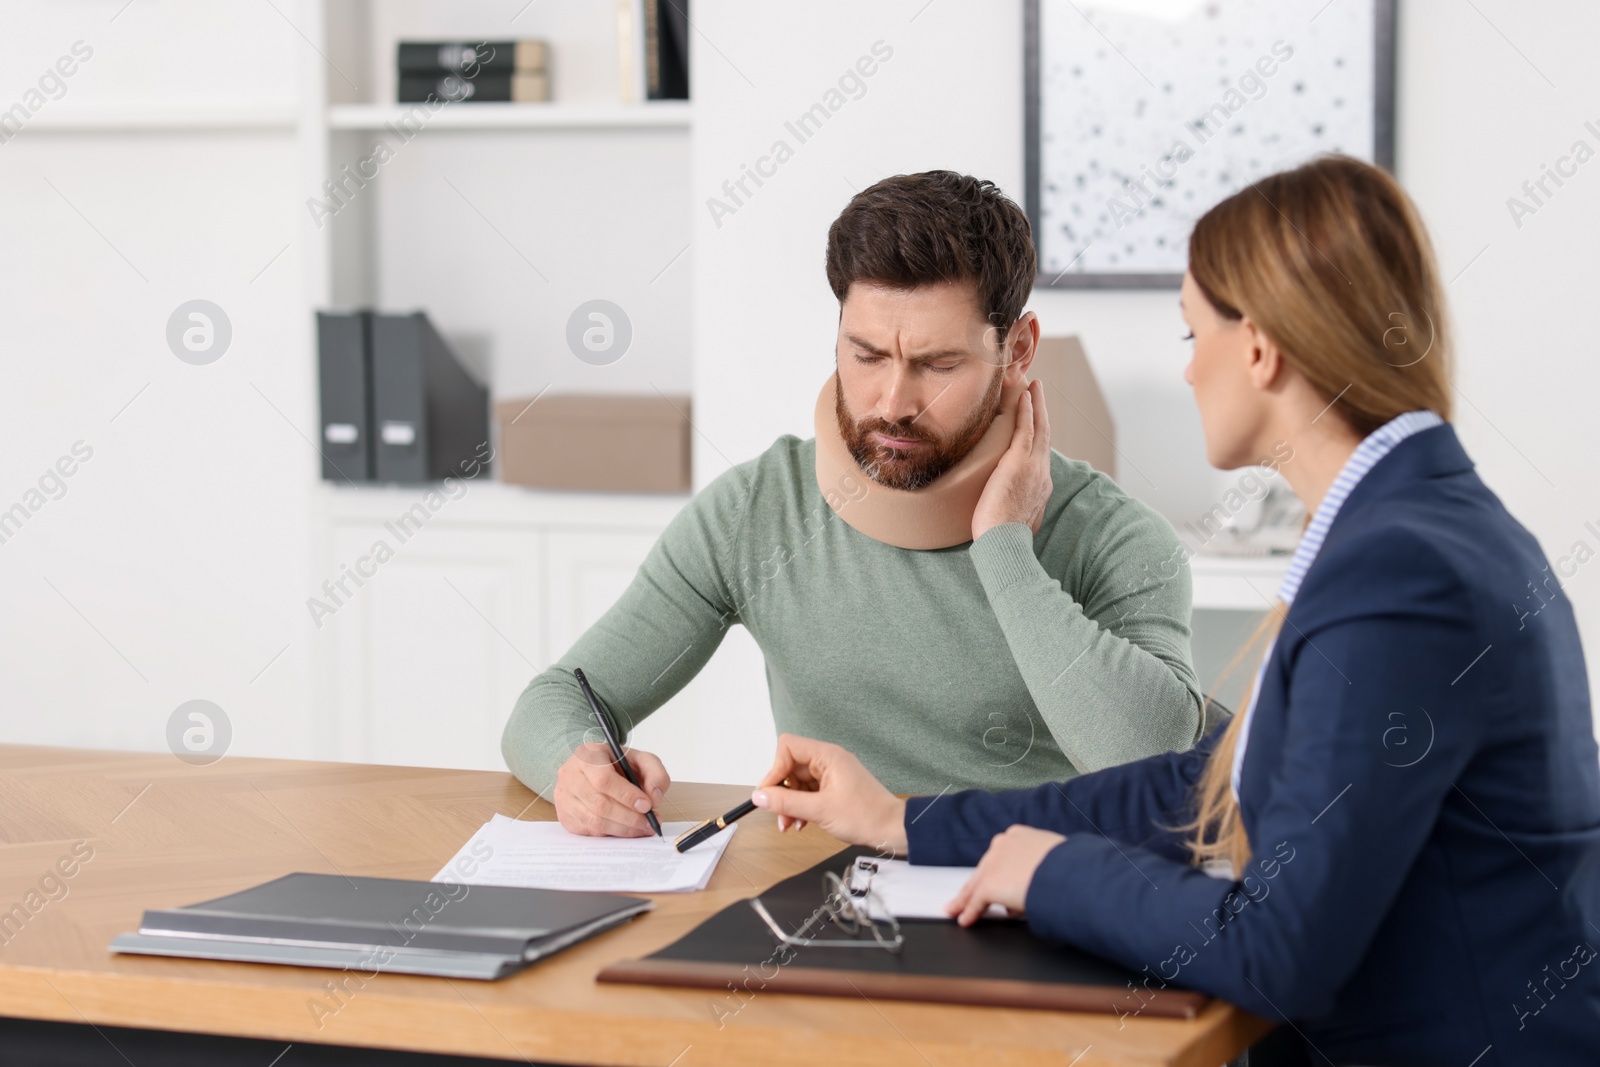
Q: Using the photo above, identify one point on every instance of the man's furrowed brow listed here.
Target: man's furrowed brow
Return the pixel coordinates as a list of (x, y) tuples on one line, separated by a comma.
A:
[(865, 346), (924, 357)]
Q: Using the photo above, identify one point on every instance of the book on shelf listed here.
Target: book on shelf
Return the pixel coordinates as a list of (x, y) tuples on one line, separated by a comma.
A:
[(653, 50), (475, 72), (521, 87), (422, 57)]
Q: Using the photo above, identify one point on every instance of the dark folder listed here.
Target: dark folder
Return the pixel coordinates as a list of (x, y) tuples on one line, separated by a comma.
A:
[(344, 372), (387, 924), (431, 416), (995, 963)]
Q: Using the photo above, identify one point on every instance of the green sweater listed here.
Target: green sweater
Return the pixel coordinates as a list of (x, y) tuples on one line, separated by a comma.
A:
[(1004, 662)]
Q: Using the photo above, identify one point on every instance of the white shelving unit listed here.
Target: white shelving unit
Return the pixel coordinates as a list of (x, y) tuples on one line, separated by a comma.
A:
[(665, 114), (170, 118), (481, 593), (531, 209), (165, 118), (1225, 583)]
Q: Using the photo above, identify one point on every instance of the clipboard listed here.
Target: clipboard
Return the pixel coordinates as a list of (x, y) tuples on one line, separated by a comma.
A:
[(994, 963)]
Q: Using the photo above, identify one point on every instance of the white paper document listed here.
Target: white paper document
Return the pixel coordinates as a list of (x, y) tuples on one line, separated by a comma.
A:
[(912, 892), (543, 855)]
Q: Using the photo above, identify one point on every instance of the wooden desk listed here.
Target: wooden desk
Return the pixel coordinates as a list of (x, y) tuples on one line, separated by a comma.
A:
[(165, 833)]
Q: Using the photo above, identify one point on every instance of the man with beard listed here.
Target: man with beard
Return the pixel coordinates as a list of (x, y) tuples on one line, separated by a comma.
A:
[(931, 586)]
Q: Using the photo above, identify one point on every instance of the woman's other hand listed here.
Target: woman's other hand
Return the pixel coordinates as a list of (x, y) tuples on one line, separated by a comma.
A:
[(1004, 873)]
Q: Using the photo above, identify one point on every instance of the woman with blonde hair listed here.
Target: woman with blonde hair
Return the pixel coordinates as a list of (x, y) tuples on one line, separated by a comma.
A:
[(1395, 846)]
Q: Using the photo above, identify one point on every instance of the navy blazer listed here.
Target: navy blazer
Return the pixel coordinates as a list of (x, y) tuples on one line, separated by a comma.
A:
[(1421, 792)]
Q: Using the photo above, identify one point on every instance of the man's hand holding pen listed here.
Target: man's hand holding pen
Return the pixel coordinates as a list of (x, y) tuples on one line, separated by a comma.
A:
[(591, 798), (606, 804)]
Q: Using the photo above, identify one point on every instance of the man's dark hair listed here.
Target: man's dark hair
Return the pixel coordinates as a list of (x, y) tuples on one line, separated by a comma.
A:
[(937, 226)]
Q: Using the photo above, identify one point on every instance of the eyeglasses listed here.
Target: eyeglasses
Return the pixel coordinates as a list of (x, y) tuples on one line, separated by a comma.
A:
[(848, 903)]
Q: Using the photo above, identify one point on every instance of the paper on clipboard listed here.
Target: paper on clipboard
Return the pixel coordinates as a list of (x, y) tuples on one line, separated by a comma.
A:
[(911, 891)]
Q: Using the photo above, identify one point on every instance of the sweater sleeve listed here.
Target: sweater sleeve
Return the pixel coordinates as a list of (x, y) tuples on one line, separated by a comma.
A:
[(1108, 664), (647, 646)]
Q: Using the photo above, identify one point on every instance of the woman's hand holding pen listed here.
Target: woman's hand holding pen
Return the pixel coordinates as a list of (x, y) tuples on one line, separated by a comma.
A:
[(813, 781), (592, 799), (827, 785)]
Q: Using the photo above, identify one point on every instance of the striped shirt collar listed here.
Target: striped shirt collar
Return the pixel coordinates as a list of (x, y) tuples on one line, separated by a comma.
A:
[(1374, 446)]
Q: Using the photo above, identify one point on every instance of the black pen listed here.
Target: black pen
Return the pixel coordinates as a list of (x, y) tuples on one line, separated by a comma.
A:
[(611, 739), (690, 838)]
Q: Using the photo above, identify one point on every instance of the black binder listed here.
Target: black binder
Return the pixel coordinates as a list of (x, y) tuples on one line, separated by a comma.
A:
[(382, 924), (993, 963), (431, 415), (397, 405), (344, 370)]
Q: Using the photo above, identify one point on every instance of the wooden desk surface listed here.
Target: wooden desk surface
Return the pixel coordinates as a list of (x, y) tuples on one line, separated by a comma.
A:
[(165, 833)]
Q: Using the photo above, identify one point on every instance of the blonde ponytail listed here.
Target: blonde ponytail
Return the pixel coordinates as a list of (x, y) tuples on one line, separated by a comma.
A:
[(1217, 832)]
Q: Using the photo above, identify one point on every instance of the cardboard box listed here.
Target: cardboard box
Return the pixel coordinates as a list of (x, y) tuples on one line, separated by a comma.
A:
[(618, 444), (1080, 418)]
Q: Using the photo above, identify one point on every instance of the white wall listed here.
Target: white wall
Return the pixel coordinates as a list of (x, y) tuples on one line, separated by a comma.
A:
[(1475, 119), (1483, 107), (164, 573)]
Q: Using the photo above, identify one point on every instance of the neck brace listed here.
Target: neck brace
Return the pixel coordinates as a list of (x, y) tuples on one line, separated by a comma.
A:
[(939, 515)]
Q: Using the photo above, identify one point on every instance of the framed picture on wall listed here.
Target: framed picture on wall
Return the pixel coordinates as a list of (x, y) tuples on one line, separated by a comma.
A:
[(1142, 114)]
